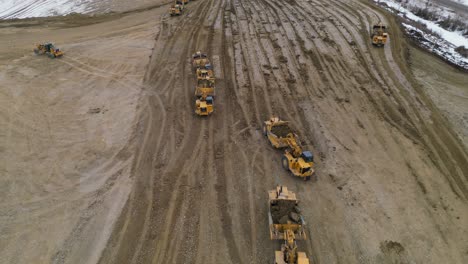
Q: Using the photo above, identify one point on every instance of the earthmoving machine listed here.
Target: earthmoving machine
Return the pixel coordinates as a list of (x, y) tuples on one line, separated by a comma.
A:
[(205, 87), (48, 49), (300, 163), (176, 10), (379, 35), (295, 160), (204, 105), (284, 214), (199, 60), (205, 71), (181, 3), (277, 131), (288, 253), (286, 223)]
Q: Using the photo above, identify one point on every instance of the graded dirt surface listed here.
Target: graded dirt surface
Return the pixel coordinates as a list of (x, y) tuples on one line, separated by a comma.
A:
[(104, 160)]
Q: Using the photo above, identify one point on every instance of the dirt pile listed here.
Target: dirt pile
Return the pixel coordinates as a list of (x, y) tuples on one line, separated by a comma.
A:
[(283, 211), (281, 130)]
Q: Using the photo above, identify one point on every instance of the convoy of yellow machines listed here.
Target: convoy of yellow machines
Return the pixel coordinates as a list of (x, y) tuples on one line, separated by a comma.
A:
[(205, 86), (285, 219)]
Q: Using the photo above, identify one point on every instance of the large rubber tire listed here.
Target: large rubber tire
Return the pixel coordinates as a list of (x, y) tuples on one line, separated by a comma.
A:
[(307, 178), (285, 163), (36, 51), (264, 130)]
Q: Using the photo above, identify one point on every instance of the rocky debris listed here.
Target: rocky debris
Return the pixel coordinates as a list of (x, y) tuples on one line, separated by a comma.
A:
[(283, 211)]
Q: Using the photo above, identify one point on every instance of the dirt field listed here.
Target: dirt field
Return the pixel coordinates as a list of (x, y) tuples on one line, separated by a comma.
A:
[(104, 161)]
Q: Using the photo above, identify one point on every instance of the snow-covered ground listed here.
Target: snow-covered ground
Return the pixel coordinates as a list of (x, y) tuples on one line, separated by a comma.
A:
[(435, 45), (42, 8), (443, 46), (465, 2), (456, 38)]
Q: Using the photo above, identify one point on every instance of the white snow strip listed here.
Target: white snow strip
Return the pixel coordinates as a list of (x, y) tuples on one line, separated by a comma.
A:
[(463, 2), (41, 8), (456, 38), (437, 46)]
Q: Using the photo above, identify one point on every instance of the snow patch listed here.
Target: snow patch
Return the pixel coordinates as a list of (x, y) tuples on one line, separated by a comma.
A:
[(436, 46), (463, 2), (456, 38), (443, 46), (42, 8)]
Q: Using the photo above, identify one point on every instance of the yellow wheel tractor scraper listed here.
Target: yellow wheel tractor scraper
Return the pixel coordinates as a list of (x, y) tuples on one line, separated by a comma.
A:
[(48, 49), (287, 224), (204, 105), (176, 9), (379, 35), (199, 60), (300, 163)]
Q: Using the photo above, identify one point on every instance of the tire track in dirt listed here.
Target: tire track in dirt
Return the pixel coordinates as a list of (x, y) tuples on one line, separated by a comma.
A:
[(201, 191), (149, 180)]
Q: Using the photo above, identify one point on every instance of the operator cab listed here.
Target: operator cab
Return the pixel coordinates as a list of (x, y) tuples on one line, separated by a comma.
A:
[(209, 100), (307, 156)]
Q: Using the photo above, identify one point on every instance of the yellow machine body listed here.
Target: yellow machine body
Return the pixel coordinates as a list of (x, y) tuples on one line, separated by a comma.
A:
[(205, 87), (204, 106), (284, 200), (48, 49), (379, 35), (199, 60), (277, 131), (300, 163), (175, 10)]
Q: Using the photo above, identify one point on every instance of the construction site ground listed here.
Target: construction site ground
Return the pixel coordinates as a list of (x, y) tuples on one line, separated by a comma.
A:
[(104, 161)]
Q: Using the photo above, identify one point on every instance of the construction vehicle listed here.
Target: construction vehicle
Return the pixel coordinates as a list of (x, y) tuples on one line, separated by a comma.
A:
[(300, 163), (205, 71), (204, 105), (295, 160), (199, 60), (185, 1), (379, 35), (181, 4), (277, 131), (284, 214), (176, 10), (289, 253), (205, 87), (48, 49)]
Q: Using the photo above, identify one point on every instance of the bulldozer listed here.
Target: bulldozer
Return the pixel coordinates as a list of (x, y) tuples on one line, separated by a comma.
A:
[(284, 214), (204, 105), (379, 35), (205, 87), (289, 253), (48, 49), (277, 131), (300, 163), (199, 60)]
